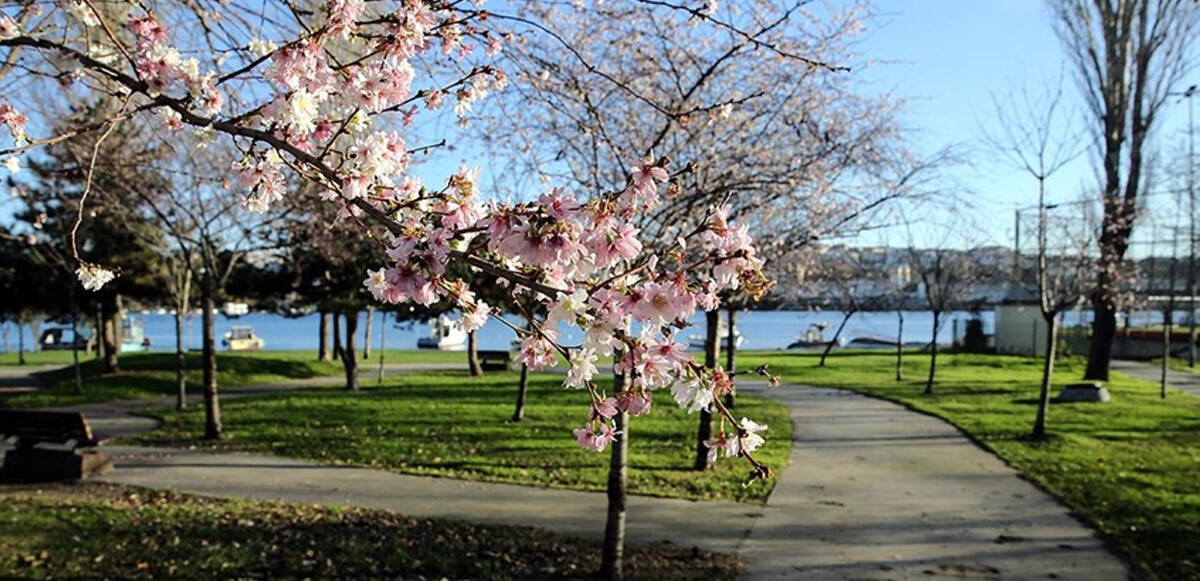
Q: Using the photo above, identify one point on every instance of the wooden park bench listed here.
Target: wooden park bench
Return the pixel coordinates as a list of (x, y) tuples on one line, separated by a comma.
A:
[(49, 446), (494, 360)]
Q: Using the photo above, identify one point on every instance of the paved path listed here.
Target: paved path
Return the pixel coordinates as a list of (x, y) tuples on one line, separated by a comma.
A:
[(1184, 381), (873, 492), (18, 379), (877, 492)]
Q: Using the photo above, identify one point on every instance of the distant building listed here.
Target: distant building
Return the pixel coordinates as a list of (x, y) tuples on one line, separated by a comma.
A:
[(1020, 328)]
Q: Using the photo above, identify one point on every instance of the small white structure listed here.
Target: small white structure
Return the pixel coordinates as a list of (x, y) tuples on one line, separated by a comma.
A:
[(444, 333), (1020, 328)]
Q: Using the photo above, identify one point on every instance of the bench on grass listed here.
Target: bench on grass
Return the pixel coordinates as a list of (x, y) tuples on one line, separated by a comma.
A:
[(49, 446), (494, 360)]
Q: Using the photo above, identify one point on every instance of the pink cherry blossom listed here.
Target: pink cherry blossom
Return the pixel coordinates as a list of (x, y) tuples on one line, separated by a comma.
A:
[(588, 439)]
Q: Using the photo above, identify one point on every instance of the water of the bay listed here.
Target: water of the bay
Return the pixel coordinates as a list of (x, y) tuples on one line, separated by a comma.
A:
[(762, 329)]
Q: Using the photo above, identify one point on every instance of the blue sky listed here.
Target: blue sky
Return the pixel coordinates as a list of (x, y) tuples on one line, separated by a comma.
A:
[(948, 57)]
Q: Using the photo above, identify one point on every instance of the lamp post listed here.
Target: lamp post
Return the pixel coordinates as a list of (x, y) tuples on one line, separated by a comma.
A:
[(1191, 187)]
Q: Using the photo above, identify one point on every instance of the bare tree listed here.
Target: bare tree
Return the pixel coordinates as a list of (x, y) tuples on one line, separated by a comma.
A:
[(1037, 135), (947, 275), (1127, 55)]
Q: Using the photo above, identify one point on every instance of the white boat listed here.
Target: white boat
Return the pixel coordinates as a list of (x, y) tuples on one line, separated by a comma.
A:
[(814, 338), (243, 339), (235, 310), (696, 342), (444, 333)]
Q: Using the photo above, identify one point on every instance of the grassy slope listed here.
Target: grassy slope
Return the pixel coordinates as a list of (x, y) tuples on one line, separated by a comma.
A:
[(101, 531), (450, 424), (148, 375), (1130, 466)]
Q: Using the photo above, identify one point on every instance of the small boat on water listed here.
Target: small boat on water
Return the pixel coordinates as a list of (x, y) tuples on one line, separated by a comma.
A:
[(814, 338), (133, 335), (696, 342), (235, 310), (869, 341), (242, 338), (444, 333), (57, 338)]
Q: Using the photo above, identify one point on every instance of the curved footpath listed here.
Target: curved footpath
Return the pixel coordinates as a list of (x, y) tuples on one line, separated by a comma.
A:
[(1185, 381), (872, 492)]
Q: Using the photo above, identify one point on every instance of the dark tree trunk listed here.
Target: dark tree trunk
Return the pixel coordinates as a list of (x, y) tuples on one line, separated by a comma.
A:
[(75, 341), (834, 339), (731, 351), (212, 404), (712, 354), (614, 528), (473, 355), (900, 346), (180, 362), (1166, 352), (112, 334), (100, 341), (182, 304), (337, 335), (323, 338), (367, 334), (1039, 425), (382, 343), (1104, 328), (522, 388), (349, 353), (21, 343), (933, 353)]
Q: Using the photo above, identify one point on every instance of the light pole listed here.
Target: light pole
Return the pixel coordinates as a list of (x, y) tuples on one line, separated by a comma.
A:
[(1191, 187)]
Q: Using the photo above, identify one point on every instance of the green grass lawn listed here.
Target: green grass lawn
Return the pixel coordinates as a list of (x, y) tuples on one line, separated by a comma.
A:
[(1180, 364), (152, 374), (110, 532), (450, 424), (1131, 466)]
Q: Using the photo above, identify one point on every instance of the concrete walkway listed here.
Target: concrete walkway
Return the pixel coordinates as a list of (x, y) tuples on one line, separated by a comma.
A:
[(1184, 381), (872, 492), (875, 491), (18, 379)]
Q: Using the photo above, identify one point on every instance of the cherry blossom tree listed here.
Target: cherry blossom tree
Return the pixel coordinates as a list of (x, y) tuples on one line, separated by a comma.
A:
[(321, 94)]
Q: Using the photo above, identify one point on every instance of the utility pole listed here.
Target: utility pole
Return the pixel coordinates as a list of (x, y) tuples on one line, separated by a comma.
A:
[(1191, 187)]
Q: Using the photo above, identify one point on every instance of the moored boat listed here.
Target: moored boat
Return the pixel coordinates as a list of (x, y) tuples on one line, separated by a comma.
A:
[(242, 338), (444, 333)]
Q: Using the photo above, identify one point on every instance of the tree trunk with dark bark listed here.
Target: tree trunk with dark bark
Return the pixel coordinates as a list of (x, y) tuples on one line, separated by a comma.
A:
[(181, 309), (21, 343), (1039, 425), (180, 363), (349, 353), (212, 404), (612, 558), (712, 354), (522, 389), (323, 338), (112, 334), (366, 355), (100, 342), (1104, 329), (731, 350), (933, 353), (900, 346), (473, 355), (337, 335), (837, 334), (1166, 352)]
